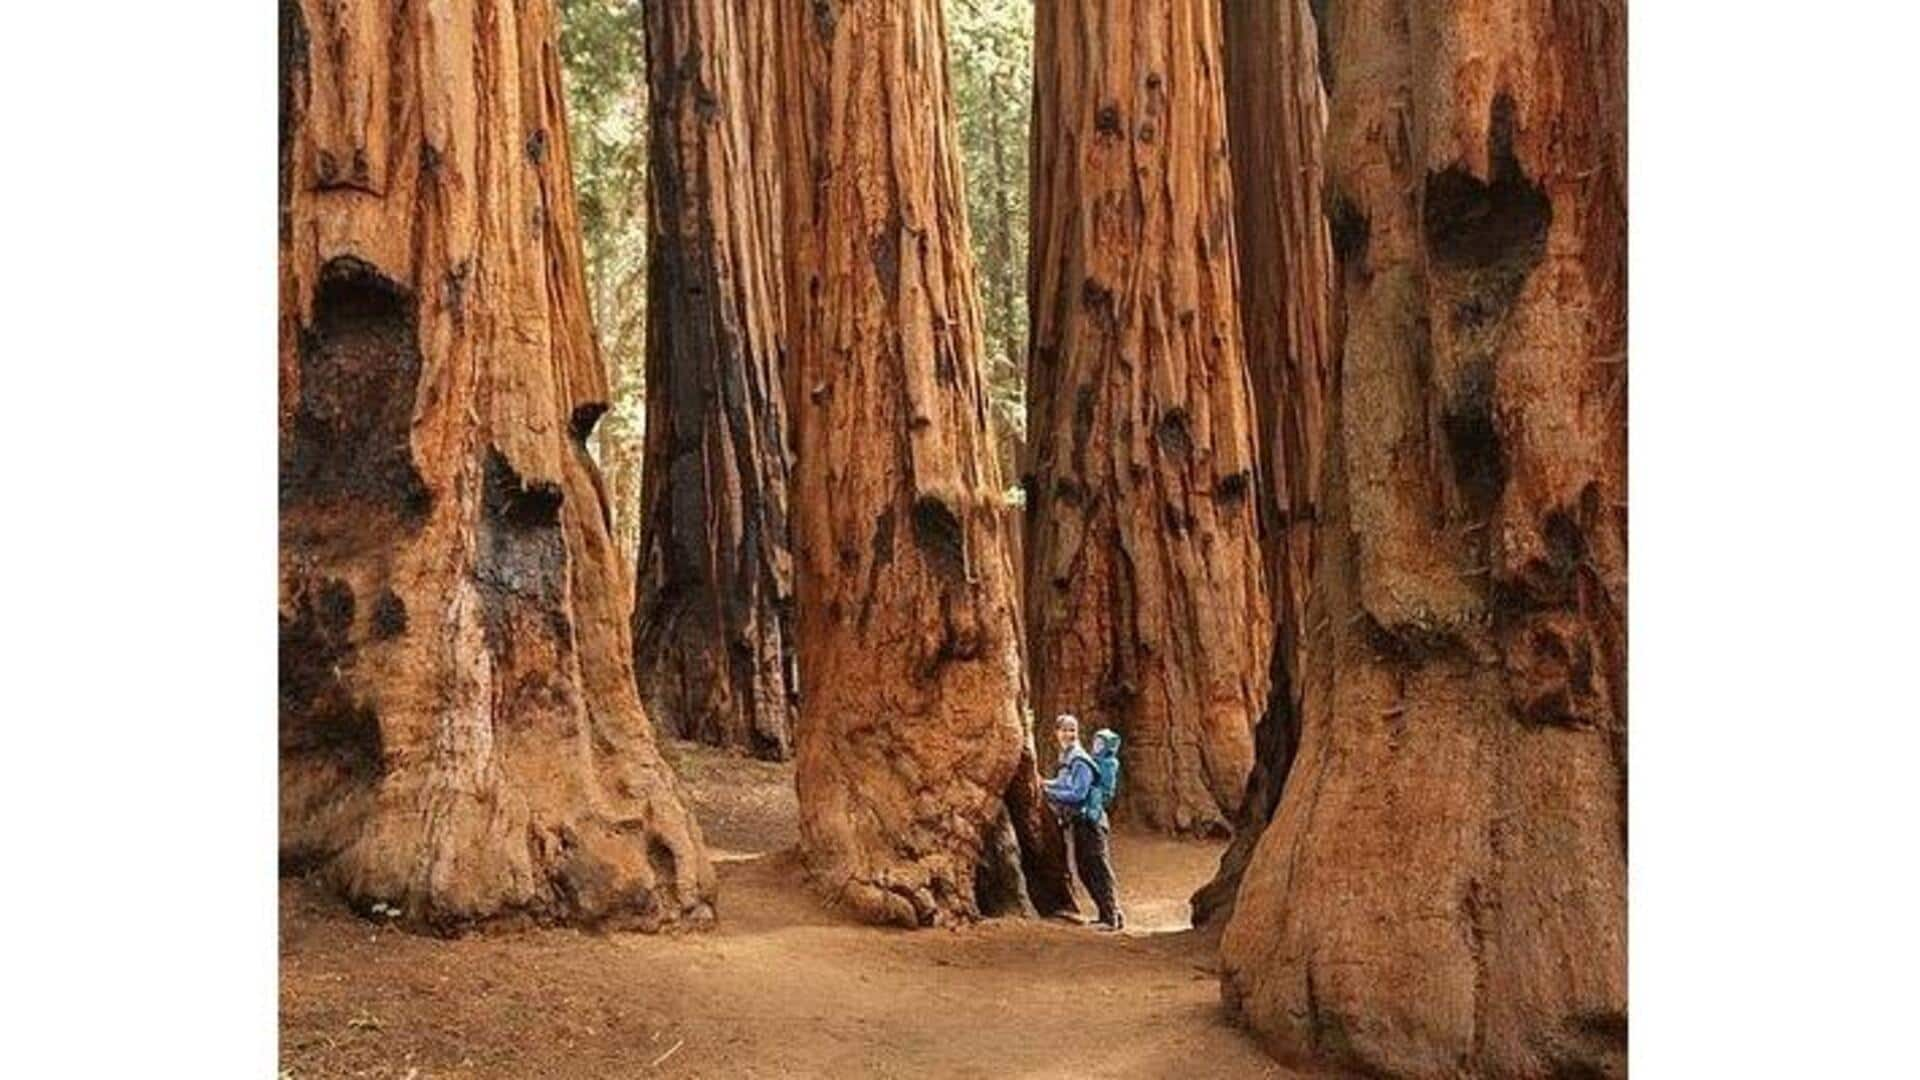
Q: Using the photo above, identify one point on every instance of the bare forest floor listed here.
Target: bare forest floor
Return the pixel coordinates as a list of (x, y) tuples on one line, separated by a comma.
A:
[(781, 988)]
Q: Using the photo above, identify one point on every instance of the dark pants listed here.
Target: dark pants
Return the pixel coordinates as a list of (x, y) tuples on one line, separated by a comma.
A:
[(1094, 862)]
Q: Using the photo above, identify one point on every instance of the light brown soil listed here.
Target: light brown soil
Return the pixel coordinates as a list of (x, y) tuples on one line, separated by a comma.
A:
[(782, 988)]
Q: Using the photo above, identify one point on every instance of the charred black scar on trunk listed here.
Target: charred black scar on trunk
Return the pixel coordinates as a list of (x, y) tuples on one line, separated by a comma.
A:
[(359, 368), (522, 557)]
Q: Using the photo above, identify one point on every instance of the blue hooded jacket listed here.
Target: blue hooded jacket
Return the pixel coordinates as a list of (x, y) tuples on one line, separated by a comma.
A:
[(1069, 787), (1087, 782)]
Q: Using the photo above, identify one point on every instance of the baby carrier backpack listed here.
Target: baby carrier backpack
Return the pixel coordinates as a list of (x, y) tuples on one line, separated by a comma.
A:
[(1106, 775)]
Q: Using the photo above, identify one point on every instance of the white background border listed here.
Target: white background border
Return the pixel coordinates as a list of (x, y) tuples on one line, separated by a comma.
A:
[(1773, 598)]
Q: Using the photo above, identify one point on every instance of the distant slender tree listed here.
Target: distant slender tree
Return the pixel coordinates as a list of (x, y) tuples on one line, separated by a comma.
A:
[(459, 734), (1145, 605), (909, 734), (1276, 119), (603, 48), (992, 50), (713, 644), (1442, 890)]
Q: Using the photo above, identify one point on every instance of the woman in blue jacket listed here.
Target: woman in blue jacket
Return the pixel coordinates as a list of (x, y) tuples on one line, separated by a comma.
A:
[(1078, 794)]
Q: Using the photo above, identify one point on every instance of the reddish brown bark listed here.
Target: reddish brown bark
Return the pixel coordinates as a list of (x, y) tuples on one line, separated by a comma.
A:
[(713, 640), (1042, 842), (1442, 889), (1145, 606), (459, 734), (909, 730), (1277, 117)]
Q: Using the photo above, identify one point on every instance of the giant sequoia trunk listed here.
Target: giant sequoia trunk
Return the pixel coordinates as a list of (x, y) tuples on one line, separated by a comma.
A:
[(1443, 888), (1145, 607), (459, 734), (909, 733), (1277, 118), (712, 621)]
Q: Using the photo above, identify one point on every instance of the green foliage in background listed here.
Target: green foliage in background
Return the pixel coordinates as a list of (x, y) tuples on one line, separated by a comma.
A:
[(990, 49), (602, 43)]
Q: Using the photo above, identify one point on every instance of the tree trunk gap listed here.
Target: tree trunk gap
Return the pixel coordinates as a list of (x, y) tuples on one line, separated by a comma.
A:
[(1146, 610), (1276, 120), (1325, 471), (1442, 889), (909, 741), (713, 615), (459, 733)]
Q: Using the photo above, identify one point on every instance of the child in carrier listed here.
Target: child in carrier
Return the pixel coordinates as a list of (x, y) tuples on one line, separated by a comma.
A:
[(1080, 794)]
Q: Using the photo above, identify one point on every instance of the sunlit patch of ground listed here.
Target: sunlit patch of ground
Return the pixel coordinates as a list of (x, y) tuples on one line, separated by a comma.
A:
[(782, 988)]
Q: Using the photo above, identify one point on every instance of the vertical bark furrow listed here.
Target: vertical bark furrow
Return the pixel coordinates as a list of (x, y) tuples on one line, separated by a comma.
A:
[(1277, 115), (909, 733), (713, 633), (1442, 888), (459, 732), (1146, 610)]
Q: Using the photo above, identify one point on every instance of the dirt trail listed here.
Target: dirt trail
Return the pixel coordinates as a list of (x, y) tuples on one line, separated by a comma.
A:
[(782, 988)]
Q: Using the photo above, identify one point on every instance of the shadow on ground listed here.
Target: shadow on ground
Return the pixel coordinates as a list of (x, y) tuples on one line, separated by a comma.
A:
[(782, 988)]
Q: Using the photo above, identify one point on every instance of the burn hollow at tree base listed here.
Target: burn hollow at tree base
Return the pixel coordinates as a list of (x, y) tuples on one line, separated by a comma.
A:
[(460, 738)]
